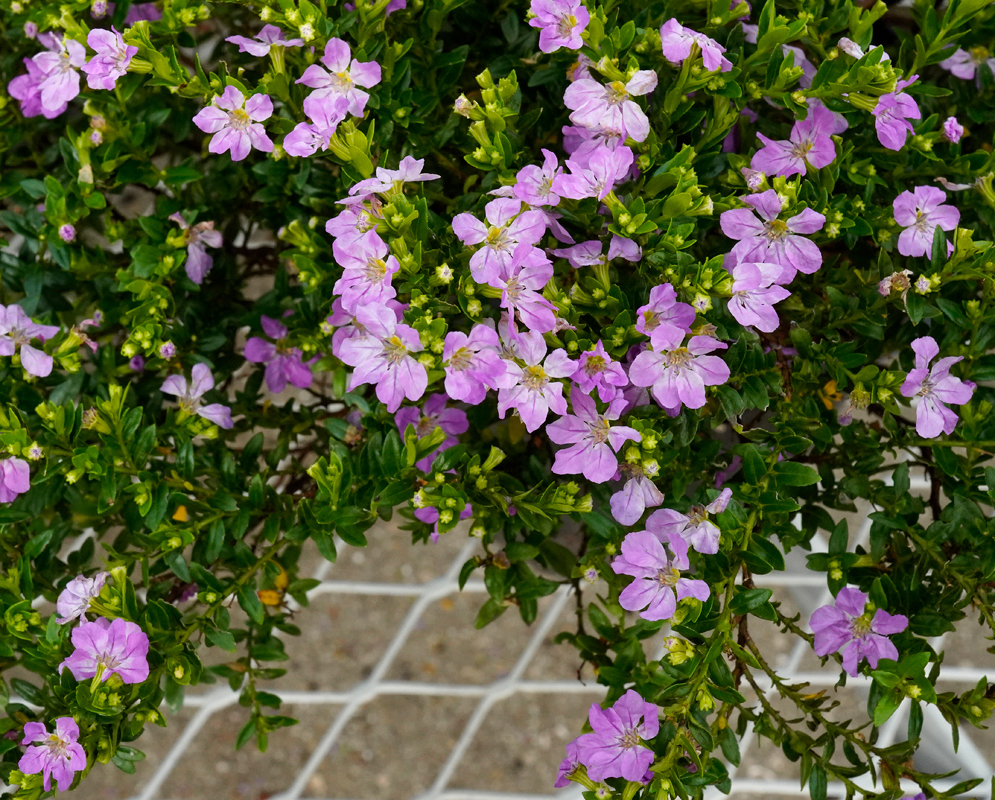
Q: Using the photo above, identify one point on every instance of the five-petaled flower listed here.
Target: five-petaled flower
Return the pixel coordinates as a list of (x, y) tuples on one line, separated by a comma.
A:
[(507, 227), (616, 748), (808, 145), (892, 114), (678, 40), (695, 527), (105, 648), (863, 631), (111, 60), (435, 412), (189, 395), (560, 23), (934, 386), (611, 106), (678, 373), (259, 45), (284, 364), (236, 123), (343, 76), (16, 330), (74, 600), (920, 212), (658, 585), (53, 755), (593, 440), (754, 293)]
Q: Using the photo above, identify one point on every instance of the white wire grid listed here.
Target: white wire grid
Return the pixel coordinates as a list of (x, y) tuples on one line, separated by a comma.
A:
[(809, 592)]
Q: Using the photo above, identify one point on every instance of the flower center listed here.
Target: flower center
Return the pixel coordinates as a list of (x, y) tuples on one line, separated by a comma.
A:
[(497, 238), (57, 745), (342, 81), (668, 577), (425, 426), (534, 378), (616, 93), (800, 149), (566, 25), (239, 119), (513, 289), (599, 431), (926, 388), (861, 626), (978, 54), (375, 270), (395, 350), (775, 229), (650, 320), (109, 661), (594, 365), (678, 358), (461, 359), (922, 223), (629, 739), (697, 515)]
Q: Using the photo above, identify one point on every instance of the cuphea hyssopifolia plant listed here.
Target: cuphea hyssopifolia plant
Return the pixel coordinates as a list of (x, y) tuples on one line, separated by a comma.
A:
[(647, 299)]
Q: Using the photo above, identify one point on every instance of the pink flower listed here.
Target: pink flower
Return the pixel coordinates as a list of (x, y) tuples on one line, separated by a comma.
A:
[(198, 239), (367, 270), (15, 479), (615, 749), (588, 254), (768, 239), (561, 22), (410, 170), (679, 374), (111, 61), (17, 329), (952, 130), (694, 528), (283, 364), (106, 648), (604, 168), (383, 355), (596, 370), (189, 396), (598, 106), (534, 184), (343, 76), (754, 293), (582, 143), (308, 137), (259, 46), (529, 272), (935, 387), (862, 632), (678, 40), (964, 64), (594, 440), (434, 413), (57, 754), (808, 145), (508, 226), (568, 765), (920, 212), (638, 494), (658, 587), (892, 114), (534, 393), (236, 123), (663, 318), (74, 600), (356, 220), (472, 364), (61, 82)]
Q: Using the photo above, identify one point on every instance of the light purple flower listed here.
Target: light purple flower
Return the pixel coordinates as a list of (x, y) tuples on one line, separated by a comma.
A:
[(615, 749), (664, 318), (17, 329), (964, 64), (534, 393), (852, 625), (534, 184), (410, 170), (678, 374), (589, 254), (236, 123), (356, 220), (508, 226), (593, 440), (198, 239), (529, 272), (754, 293), (597, 371), (892, 114), (934, 386), (434, 413), (595, 105), (367, 270), (658, 585), (383, 355), (763, 238), (167, 350), (75, 599), (189, 396), (636, 495), (283, 364), (568, 765), (695, 527), (30, 29), (259, 46), (560, 23), (57, 754), (148, 12), (61, 82), (808, 145), (952, 130), (677, 41), (343, 75), (111, 61), (67, 233), (107, 648), (15, 479), (596, 178), (582, 143), (920, 212), (308, 137), (472, 364), (137, 364)]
